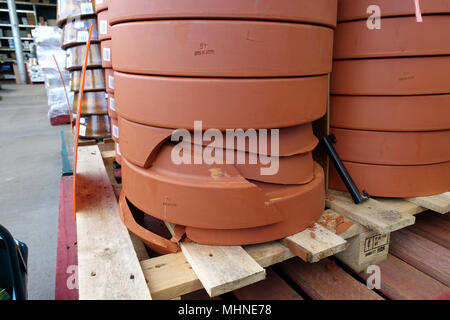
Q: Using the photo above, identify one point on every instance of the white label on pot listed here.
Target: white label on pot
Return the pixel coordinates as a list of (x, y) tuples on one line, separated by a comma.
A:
[(107, 54), (84, 120), (111, 82), (82, 36), (98, 1), (116, 131), (79, 24), (118, 149), (103, 27), (82, 131), (86, 8), (112, 104)]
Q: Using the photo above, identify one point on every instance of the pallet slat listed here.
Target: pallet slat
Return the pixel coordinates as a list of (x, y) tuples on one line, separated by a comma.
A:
[(434, 227), (439, 203)]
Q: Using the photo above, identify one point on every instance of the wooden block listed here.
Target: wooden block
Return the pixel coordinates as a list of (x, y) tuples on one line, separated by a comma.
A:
[(108, 268), (315, 244), (170, 276), (270, 253), (434, 227), (326, 281), (273, 288), (439, 203), (367, 248), (423, 254), (400, 281), (372, 214)]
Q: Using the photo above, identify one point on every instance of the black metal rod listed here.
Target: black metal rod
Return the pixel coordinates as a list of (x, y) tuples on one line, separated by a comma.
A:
[(358, 198)]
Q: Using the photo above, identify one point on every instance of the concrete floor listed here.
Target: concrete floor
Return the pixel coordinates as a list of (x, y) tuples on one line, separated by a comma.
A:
[(30, 172)]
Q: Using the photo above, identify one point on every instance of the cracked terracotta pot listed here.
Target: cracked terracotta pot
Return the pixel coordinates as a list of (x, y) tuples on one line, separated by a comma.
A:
[(396, 181), (75, 57), (304, 11), (398, 37), (76, 32), (94, 81), (399, 113), (96, 127), (216, 48), (106, 54), (112, 106), (73, 9), (94, 103), (101, 5), (109, 80), (104, 29), (176, 102), (357, 9), (393, 148), (393, 76)]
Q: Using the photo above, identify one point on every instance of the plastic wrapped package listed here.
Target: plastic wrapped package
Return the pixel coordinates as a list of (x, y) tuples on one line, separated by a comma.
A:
[(58, 103)]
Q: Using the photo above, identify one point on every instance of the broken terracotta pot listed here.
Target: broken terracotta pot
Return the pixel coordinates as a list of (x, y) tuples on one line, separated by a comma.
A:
[(94, 81), (76, 55), (112, 106), (398, 37), (94, 103), (215, 48), (349, 10), (393, 148), (76, 32), (101, 5), (106, 54), (73, 9), (95, 127), (393, 76), (104, 29), (396, 181), (109, 80), (321, 12), (391, 113), (176, 102)]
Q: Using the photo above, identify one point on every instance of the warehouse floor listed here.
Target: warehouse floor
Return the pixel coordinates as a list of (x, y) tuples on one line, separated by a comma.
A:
[(30, 171)]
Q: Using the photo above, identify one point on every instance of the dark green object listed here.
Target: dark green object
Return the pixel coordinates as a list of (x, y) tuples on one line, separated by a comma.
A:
[(4, 295)]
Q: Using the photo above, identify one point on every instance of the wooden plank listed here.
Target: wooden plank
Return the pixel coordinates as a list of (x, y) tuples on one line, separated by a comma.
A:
[(402, 205), (326, 281), (170, 276), (400, 281), (221, 269), (371, 214), (340, 225), (439, 203), (434, 227), (273, 288), (422, 254), (315, 244), (108, 267), (270, 253)]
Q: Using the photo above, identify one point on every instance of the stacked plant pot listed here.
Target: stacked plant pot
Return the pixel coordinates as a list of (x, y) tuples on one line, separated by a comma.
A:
[(75, 18), (390, 104), (231, 64)]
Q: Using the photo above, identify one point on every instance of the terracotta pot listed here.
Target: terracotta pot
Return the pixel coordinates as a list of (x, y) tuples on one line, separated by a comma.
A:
[(76, 55), (398, 37), (285, 200), (94, 81), (104, 29), (176, 102), (101, 5), (112, 106), (94, 103), (357, 9), (73, 9), (396, 181), (321, 12), (106, 54), (76, 32), (215, 48), (109, 80), (407, 113), (97, 127), (115, 135), (394, 76), (393, 148)]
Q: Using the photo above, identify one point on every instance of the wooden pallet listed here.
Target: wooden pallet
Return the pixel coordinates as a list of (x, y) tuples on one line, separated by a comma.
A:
[(218, 270)]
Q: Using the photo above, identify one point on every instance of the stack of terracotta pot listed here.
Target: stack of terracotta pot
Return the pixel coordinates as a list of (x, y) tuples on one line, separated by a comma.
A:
[(390, 108), (236, 64), (75, 18)]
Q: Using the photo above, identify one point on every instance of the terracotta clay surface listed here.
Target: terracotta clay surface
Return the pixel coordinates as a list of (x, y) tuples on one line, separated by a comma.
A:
[(305, 11), (292, 141), (215, 48), (176, 102), (94, 103), (75, 57), (112, 106), (109, 80), (72, 9), (398, 37), (94, 81), (106, 54), (104, 29), (396, 181), (393, 148), (399, 113), (394, 76), (357, 9), (97, 127), (76, 32), (101, 5), (301, 206)]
